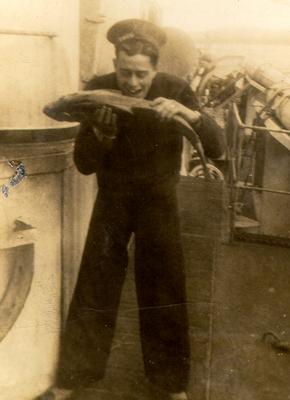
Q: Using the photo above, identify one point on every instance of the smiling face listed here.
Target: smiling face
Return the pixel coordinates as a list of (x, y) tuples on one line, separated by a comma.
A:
[(135, 74)]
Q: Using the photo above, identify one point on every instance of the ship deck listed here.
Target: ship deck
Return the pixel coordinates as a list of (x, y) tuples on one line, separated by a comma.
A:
[(237, 293)]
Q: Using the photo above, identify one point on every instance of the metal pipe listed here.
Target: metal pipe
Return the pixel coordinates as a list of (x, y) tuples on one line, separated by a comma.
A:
[(234, 186), (255, 127), (255, 84), (259, 189), (27, 33)]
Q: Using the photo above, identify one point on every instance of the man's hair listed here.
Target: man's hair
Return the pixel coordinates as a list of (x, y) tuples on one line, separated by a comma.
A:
[(135, 46)]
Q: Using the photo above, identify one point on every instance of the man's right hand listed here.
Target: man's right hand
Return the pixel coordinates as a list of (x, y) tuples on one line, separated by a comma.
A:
[(105, 124)]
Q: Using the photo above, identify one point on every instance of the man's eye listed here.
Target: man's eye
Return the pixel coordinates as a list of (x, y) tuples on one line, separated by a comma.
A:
[(141, 75), (126, 74)]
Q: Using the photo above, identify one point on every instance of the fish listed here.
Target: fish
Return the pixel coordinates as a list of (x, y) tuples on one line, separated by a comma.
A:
[(81, 107)]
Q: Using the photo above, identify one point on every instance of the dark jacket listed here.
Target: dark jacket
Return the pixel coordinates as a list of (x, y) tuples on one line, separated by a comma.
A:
[(146, 150)]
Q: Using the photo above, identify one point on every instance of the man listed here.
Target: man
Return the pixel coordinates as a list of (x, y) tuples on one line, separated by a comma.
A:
[(137, 162)]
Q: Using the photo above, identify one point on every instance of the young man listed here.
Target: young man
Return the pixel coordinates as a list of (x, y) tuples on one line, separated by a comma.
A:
[(137, 162)]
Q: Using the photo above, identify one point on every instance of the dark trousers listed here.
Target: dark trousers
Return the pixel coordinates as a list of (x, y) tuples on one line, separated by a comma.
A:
[(160, 282)]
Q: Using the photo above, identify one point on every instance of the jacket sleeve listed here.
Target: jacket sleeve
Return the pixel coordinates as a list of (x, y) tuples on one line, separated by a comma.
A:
[(210, 133), (88, 151)]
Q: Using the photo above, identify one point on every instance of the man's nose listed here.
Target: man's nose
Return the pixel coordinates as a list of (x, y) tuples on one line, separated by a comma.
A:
[(133, 80)]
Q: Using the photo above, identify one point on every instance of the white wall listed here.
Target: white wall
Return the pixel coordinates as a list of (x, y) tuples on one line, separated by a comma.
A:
[(33, 71), (36, 69)]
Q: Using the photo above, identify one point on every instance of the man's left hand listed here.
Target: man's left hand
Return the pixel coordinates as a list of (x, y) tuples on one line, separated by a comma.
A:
[(167, 109)]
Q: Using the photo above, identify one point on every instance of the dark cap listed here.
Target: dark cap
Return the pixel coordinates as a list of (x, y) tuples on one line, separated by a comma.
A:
[(136, 29)]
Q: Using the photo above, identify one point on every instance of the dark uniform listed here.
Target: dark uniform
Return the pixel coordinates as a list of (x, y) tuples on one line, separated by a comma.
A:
[(137, 193)]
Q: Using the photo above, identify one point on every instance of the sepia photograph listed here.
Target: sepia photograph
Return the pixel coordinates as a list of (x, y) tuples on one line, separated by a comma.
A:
[(144, 200)]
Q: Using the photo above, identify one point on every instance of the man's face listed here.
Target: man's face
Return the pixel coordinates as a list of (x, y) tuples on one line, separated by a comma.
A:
[(134, 74)]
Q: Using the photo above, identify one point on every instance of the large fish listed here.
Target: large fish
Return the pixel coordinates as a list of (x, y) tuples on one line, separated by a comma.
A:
[(82, 105)]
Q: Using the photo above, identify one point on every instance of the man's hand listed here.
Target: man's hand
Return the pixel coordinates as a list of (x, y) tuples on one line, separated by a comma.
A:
[(167, 109), (105, 124)]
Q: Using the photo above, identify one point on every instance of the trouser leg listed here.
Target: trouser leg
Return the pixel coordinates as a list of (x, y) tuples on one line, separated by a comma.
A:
[(160, 282), (87, 337)]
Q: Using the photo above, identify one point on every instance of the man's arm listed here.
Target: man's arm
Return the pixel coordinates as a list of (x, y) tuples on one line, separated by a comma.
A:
[(94, 140), (210, 133)]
